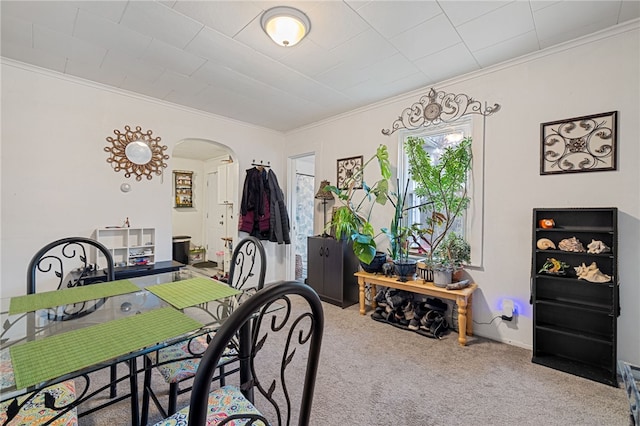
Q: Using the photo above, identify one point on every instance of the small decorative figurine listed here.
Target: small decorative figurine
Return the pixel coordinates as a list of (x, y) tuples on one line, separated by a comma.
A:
[(571, 244), (597, 247), (553, 266), (547, 223), (591, 273), (545, 243)]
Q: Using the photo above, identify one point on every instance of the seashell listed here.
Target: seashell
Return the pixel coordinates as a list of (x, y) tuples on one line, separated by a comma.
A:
[(597, 247), (591, 273), (571, 244), (545, 243)]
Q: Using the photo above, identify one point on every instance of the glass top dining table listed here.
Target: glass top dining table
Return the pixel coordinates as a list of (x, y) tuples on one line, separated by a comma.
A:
[(48, 340)]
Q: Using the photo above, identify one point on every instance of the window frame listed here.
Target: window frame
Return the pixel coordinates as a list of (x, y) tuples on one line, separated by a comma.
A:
[(474, 215)]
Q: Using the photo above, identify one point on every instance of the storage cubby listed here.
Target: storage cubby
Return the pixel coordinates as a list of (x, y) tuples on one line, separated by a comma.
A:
[(128, 246), (575, 320)]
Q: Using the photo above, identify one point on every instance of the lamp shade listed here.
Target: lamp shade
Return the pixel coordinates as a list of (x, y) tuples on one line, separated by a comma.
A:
[(323, 194), (285, 25)]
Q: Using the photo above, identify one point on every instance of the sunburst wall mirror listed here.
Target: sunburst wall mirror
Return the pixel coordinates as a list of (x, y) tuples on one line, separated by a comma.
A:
[(137, 153)]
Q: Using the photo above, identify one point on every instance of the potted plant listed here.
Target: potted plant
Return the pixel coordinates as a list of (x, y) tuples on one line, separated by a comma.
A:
[(444, 185), (452, 253), (398, 234), (351, 218)]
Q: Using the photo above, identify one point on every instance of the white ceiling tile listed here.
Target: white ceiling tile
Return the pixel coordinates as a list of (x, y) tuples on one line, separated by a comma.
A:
[(112, 77), (343, 76), (16, 31), (390, 69), (541, 4), (365, 49), (159, 21), (501, 24), (453, 61), (630, 10), (460, 12), (181, 83), (57, 16), (111, 10), (145, 87), (167, 56), (393, 18), (427, 38), (585, 17), (312, 59), (218, 47), (508, 49), (67, 46), (138, 68), (227, 17), (39, 58), (110, 35), (372, 91), (333, 23)]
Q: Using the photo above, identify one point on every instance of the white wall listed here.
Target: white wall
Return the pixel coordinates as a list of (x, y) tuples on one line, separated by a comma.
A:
[(593, 76), (55, 178)]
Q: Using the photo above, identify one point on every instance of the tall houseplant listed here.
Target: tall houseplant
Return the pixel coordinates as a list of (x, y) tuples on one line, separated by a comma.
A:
[(351, 219), (444, 185)]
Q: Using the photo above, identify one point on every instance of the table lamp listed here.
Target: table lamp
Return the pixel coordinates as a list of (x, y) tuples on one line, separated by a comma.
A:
[(324, 195)]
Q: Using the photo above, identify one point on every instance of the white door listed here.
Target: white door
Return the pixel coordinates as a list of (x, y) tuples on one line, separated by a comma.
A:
[(216, 221)]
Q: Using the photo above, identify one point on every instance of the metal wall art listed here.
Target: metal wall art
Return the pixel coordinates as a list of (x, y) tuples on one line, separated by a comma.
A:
[(348, 167), (136, 153), (581, 144), (436, 108)]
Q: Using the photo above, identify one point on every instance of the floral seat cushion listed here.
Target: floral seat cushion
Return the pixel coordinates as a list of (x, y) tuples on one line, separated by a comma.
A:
[(34, 412), (222, 403), (185, 367)]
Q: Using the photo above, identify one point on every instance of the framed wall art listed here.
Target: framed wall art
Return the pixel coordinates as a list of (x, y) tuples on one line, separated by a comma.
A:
[(581, 144), (347, 167)]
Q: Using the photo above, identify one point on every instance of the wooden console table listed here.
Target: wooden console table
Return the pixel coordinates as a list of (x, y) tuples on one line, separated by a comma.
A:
[(462, 297)]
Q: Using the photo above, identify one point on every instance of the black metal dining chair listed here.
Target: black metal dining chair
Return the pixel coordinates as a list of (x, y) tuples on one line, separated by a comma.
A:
[(178, 363), (64, 263), (280, 335)]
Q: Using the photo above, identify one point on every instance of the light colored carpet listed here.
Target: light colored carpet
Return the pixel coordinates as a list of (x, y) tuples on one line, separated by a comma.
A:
[(374, 374)]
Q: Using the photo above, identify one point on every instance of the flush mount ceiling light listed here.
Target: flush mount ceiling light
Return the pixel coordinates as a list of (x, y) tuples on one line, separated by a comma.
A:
[(285, 25)]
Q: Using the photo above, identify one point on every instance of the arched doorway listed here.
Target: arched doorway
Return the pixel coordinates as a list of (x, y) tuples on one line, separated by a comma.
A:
[(209, 222)]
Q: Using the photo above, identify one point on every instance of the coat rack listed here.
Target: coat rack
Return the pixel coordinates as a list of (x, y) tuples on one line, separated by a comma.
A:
[(261, 164)]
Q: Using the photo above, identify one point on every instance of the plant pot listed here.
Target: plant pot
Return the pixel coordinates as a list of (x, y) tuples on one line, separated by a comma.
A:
[(405, 269), (424, 272), (376, 263), (442, 277)]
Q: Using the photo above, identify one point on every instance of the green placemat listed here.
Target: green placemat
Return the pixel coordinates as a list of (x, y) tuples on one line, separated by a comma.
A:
[(67, 296), (192, 292), (40, 360)]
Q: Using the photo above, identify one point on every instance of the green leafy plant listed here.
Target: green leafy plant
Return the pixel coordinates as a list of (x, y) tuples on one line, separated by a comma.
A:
[(453, 252), (443, 185), (351, 219)]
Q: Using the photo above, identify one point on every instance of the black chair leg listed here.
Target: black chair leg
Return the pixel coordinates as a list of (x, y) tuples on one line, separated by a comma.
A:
[(145, 391), (133, 382), (222, 376), (114, 386), (173, 399)]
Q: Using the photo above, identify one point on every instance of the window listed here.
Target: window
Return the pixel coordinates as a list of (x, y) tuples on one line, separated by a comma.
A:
[(436, 139)]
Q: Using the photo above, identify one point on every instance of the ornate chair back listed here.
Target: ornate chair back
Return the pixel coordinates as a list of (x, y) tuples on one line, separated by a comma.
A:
[(248, 259), (280, 332)]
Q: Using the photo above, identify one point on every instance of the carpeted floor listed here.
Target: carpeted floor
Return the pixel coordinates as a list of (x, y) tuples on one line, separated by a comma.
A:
[(374, 374)]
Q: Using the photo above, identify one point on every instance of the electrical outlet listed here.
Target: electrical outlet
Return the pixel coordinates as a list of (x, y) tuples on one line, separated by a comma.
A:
[(507, 309)]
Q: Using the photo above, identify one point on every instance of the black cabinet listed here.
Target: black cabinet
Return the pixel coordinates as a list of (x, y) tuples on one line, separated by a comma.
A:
[(574, 319), (330, 268)]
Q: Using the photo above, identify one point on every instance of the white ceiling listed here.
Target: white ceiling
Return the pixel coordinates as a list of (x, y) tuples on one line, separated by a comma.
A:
[(213, 56)]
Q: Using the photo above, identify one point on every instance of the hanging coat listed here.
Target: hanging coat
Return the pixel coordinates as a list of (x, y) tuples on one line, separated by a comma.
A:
[(254, 207), (280, 228)]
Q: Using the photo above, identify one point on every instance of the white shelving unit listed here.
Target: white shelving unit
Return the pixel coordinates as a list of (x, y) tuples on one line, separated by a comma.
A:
[(128, 246)]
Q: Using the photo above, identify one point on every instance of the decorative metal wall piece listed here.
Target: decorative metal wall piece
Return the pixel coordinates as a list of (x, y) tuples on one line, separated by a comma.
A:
[(438, 107), (348, 167), (136, 153), (581, 144)]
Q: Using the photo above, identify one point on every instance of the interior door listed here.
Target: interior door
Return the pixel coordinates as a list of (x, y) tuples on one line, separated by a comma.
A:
[(216, 220)]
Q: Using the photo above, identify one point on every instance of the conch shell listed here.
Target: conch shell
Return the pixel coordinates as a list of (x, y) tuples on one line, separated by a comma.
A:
[(591, 273), (545, 243), (597, 247), (571, 244)]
